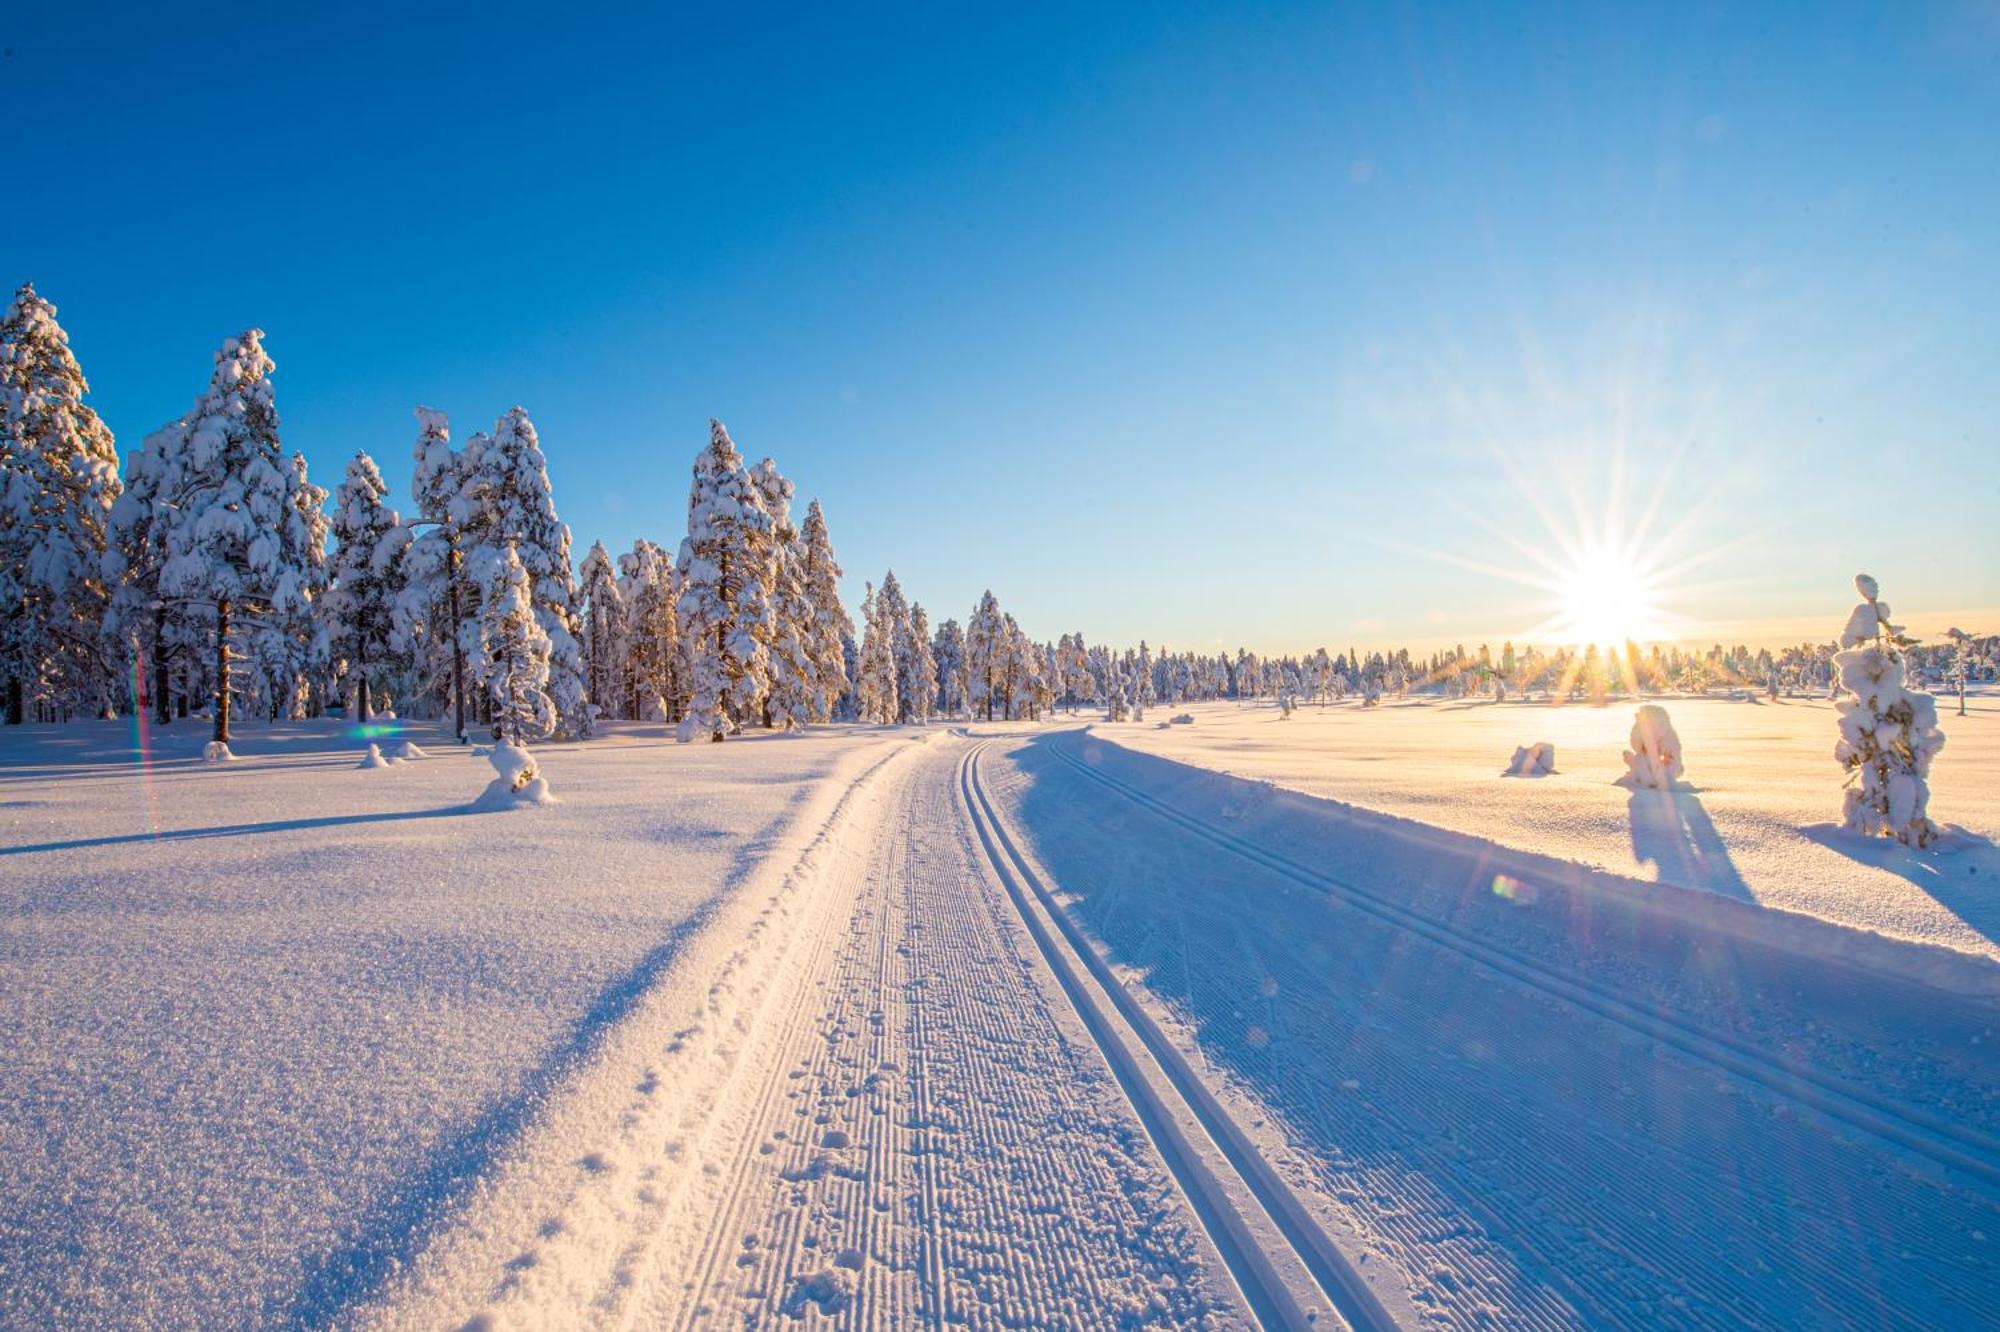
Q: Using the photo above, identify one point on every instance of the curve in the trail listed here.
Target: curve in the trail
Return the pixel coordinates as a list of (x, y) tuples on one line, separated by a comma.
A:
[(1214, 1201), (1955, 1147)]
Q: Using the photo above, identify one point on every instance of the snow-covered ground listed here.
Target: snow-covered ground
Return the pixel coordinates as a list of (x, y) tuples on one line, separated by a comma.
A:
[(991, 1025), (1756, 819)]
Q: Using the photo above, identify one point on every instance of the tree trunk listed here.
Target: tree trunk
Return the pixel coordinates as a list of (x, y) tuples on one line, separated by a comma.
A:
[(15, 712), (362, 711), (457, 654), (163, 703), (222, 671)]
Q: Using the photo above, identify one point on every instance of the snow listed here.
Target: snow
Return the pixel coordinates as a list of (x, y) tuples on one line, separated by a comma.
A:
[(1761, 823), (1536, 760), (1654, 760), (262, 1018)]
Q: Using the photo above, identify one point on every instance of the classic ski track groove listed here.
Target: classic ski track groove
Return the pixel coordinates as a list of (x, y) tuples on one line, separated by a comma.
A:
[(1965, 1151), (1314, 1250)]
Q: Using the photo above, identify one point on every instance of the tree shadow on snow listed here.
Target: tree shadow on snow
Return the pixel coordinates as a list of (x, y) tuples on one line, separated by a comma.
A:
[(235, 830), (1673, 831), (1962, 873)]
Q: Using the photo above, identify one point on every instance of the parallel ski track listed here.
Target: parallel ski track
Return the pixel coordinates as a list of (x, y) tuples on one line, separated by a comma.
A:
[(1218, 1200), (1952, 1146)]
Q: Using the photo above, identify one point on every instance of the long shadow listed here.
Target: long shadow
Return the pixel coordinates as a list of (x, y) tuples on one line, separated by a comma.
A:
[(1531, 1138), (235, 830), (398, 1228), (1963, 875), (1671, 829)]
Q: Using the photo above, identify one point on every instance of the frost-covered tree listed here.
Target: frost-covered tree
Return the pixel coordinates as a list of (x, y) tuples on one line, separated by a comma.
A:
[(1964, 659), (367, 580), (830, 624), (513, 649), (439, 602), (921, 695), (288, 642), (142, 625), (508, 502), (791, 697), (58, 482), (653, 670), (875, 687), (725, 604), (238, 548), (603, 617), (1142, 682), (1888, 731), (948, 653), (986, 652)]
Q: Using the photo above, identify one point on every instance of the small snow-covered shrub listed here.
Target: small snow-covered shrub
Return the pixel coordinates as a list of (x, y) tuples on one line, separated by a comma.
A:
[(373, 758), (1888, 732), (1654, 760), (520, 780), (215, 751), (406, 750), (1536, 760)]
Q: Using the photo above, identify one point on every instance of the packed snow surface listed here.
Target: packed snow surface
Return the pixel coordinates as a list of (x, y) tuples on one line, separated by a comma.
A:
[(1756, 818)]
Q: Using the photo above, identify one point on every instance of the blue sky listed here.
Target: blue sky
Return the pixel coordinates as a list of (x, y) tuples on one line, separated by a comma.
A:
[(1265, 324)]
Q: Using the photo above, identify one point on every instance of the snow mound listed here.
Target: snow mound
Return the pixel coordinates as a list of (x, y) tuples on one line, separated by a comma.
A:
[(1536, 760), (373, 758), (520, 781), (1654, 760), (407, 750), (829, 1290), (215, 751)]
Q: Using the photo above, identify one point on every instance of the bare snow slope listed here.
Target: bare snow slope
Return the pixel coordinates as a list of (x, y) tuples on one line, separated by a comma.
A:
[(261, 1017), (1531, 1098), (1756, 822)]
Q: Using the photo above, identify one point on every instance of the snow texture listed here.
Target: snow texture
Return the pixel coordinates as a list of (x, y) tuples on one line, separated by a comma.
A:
[(1536, 760)]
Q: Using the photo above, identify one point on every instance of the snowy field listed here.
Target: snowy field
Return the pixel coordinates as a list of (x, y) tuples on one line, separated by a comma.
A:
[(994, 1026), (1756, 821)]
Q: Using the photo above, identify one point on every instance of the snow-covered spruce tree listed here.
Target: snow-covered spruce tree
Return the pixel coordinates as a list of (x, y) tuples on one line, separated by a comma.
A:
[(986, 651), (830, 623), (848, 706), (287, 643), (894, 610), (603, 617), (654, 674), (58, 482), (510, 503), (438, 602), (920, 702), (142, 626), (875, 686), (1888, 731), (237, 546), (1144, 693), (513, 648), (724, 602), (1078, 684), (948, 652), (791, 696), (367, 581)]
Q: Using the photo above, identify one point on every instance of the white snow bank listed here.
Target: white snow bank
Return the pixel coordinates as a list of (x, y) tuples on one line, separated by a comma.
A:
[(374, 759), (407, 750), (1536, 760), (520, 781), (1654, 760), (216, 752)]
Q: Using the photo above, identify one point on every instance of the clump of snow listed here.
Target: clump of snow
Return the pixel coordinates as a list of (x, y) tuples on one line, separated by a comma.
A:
[(215, 751), (1536, 760), (520, 780), (374, 759), (829, 1289), (1654, 760), (1888, 733), (406, 750)]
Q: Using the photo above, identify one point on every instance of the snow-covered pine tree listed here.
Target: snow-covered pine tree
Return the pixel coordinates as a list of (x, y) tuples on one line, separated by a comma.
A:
[(511, 503), (1144, 693), (848, 706), (58, 482), (1888, 731), (603, 617), (1078, 684), (830, 622), (438, 601), (791, 697), (653, 657), (290, 642), (986, 651), (920, 700), (513, 648), (724, 602), (948, 652), (367, 581), (894, 610), (237, 546), (875, 687), (142, 626)]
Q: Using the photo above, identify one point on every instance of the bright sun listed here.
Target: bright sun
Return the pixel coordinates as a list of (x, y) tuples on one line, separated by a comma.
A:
[(1606, 600)]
